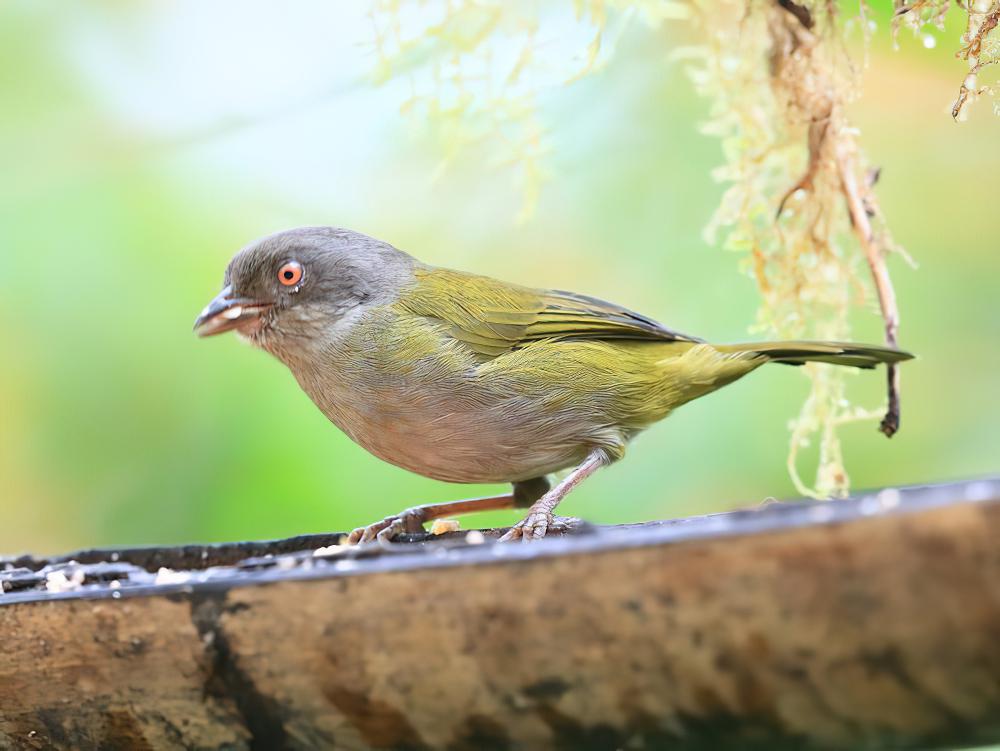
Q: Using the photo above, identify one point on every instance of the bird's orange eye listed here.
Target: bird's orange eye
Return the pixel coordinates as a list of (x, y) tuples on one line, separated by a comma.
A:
[(290, 273)]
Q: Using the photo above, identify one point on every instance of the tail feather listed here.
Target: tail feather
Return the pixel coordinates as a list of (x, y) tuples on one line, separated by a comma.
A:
[(836, 353)]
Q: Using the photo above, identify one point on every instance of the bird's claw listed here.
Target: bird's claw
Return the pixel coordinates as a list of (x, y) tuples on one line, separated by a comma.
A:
[(410, 520), (537, 524)]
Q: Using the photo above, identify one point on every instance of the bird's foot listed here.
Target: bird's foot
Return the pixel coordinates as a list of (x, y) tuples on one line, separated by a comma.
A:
[(411, 520), (537, 524)]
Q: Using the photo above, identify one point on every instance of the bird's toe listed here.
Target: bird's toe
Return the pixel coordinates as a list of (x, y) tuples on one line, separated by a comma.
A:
[(410, 520), (396, 526), (537, 525), (532, 527), (512, 534)]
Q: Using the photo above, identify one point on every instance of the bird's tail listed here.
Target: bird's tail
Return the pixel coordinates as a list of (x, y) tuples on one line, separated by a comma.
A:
[(837, 353)]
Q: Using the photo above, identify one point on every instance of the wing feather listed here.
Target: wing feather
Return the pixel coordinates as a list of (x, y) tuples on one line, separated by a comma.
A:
[(493, 317)]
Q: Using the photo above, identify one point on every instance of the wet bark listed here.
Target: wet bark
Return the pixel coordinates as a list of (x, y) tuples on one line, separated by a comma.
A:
[(869, 623)]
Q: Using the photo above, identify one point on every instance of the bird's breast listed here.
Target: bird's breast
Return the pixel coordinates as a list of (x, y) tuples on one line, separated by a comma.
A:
[(434, 416)]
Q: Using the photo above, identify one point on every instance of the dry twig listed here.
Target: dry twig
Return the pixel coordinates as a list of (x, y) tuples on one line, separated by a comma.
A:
[(862, 207), (829, 127)]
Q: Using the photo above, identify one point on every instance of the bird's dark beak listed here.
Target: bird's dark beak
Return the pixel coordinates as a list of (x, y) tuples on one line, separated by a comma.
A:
[(227, 312)]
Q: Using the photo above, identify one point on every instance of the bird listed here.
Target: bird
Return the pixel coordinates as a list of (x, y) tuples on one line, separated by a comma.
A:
[(468, 379)]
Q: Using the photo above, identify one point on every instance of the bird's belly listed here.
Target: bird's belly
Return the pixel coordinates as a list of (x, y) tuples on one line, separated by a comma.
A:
[(454, 440), (470, 447)]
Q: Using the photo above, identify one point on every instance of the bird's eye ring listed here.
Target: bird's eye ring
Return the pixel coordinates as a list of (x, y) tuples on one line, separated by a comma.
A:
[(290, 273)]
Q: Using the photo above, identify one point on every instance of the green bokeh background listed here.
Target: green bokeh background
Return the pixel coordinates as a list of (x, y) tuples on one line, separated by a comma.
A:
[(143, 143)]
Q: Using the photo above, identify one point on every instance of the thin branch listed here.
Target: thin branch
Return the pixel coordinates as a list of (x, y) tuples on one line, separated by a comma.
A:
[(800, 12), (818, 129), (859, 205), (969, 87)]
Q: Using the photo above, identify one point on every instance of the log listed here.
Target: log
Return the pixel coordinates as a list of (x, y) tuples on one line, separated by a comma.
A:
[(867, 623)]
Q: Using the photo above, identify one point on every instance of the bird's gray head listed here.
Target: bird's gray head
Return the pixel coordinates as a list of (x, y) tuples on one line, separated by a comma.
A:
[(290, 289)]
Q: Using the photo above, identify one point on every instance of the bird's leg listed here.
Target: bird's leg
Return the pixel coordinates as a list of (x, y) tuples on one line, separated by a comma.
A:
[(540, 518), (525, 493), (413, 519)]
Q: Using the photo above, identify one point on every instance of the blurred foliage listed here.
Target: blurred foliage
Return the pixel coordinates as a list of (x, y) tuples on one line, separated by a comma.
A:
[(779, 82), (476, 68), (781, 77), (980, 43), (147, 142)]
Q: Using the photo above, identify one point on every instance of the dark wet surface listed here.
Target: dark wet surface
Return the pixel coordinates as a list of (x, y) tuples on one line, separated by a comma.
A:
[(150, 570)]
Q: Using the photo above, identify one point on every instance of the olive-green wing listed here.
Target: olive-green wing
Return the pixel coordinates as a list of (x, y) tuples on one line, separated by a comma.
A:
[(493, 317)]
